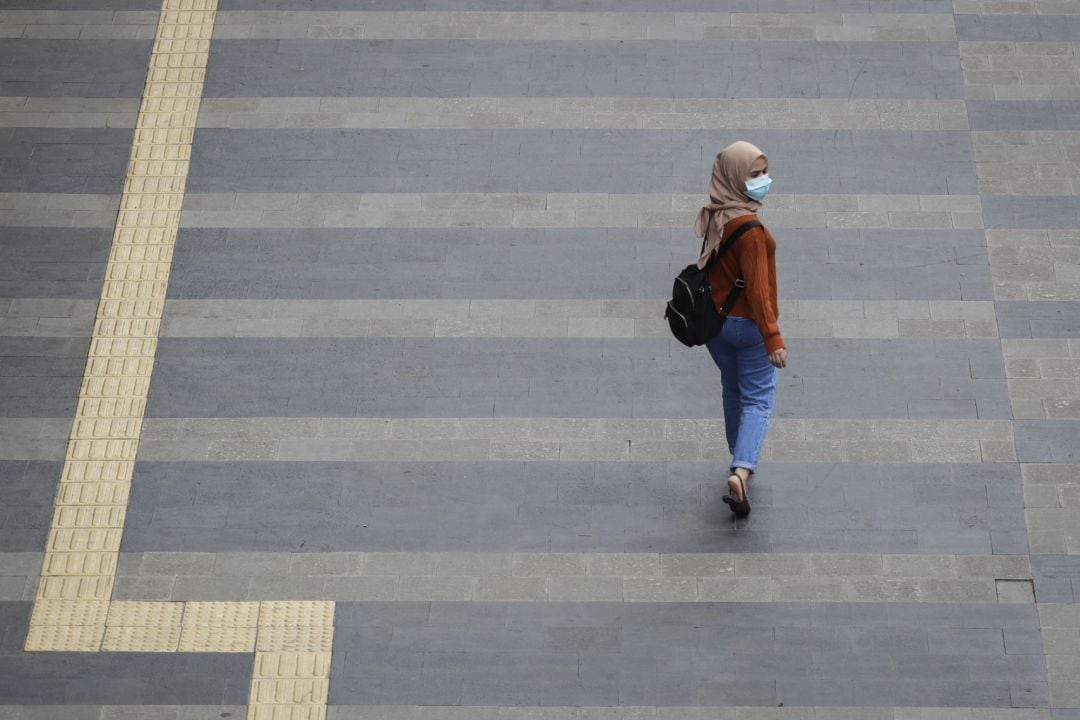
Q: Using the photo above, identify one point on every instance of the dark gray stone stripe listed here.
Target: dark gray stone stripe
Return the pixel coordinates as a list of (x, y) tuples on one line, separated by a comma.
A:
[(1019, 28), (1047, 441), (26, 498), (75, 68), (1024, 115), (700, 654), (571, 507), (1057, 578), (60, 678), (566, 161), (560, 263), (86, 5), (595, 68), (1042, 319), (554, 377), (779, 6), (63, 160), (53, 262), (40, 377), (1052, 212), (14, 622)]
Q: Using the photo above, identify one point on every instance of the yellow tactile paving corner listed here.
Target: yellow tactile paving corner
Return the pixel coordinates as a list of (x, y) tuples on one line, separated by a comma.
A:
[(222, 614), (217, 639), (67, 625), (141, 638), (219, 627), (143, 626), (295, 612), (291, 678), (295, 626), (141, 613)]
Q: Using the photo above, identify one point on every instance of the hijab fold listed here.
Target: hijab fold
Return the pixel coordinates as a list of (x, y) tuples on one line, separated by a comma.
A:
[(727, 194)]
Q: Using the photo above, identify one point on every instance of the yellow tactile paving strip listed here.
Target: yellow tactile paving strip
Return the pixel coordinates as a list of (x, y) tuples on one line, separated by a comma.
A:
[(73, 610), (84, 540)]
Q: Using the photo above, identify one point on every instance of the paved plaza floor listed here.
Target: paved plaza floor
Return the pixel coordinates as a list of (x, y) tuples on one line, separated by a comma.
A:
[(334, 383)]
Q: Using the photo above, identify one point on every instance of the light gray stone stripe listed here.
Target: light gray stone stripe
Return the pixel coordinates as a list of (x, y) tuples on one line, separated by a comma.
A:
[(1016, 7), (575, 577), (1044, 162), (1060, 626), (63, 112), (910, 27), (1020, 70), (611, 112), (727, 712), (34, 438), (555, 318), (46, 317), (1035, 264), (570, 210), (1044, 378), (567, 439), (78, 24), (58, 210)]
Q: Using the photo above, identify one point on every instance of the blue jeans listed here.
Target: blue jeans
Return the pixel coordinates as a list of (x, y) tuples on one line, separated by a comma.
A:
[(749, 382)]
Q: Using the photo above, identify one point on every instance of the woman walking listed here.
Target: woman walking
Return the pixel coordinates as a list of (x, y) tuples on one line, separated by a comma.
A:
[(749, 349)]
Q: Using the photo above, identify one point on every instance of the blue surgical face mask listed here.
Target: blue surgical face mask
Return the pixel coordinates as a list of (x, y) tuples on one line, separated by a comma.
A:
[(757, 188)]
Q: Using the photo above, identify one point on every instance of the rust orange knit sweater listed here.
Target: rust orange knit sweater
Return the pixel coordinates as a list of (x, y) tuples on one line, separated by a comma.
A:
[(754, 255)]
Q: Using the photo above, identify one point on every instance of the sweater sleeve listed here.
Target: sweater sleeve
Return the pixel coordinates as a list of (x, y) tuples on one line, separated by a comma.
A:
[(754, 264)]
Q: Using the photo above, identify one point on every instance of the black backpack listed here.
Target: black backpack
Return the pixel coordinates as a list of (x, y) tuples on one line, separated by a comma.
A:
[(690, 312)]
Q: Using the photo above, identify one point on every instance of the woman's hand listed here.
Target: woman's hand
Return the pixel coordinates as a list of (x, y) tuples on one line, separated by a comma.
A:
[(778, 358)]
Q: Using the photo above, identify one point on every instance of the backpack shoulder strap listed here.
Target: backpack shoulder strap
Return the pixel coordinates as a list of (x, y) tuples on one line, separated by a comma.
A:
[(730, 240), (740, 282)]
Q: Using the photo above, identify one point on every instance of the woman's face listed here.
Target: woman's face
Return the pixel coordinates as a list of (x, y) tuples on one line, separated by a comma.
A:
[(759, 168)]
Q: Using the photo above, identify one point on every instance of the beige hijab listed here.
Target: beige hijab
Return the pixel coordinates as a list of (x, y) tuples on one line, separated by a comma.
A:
[(727, 190)]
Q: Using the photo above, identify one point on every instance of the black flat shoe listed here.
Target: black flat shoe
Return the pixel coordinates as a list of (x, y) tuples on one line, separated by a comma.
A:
[(740, 508)]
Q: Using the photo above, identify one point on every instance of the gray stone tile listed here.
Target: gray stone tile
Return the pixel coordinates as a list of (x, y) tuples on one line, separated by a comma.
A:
[(800, 6), (51, 712), (563, 507), (133, 678), (1043, 319), (1024, 115), (223, 377), (54, 262), (1042, 441), (1018, 28), (70, 160), (1040, 212), (75, 68), (541, 160), (40, 377), (14, 621), (932, 694), (26, 498), (664, 654), (547, 263), (583, 69), (79, 5), (1056, 577)]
